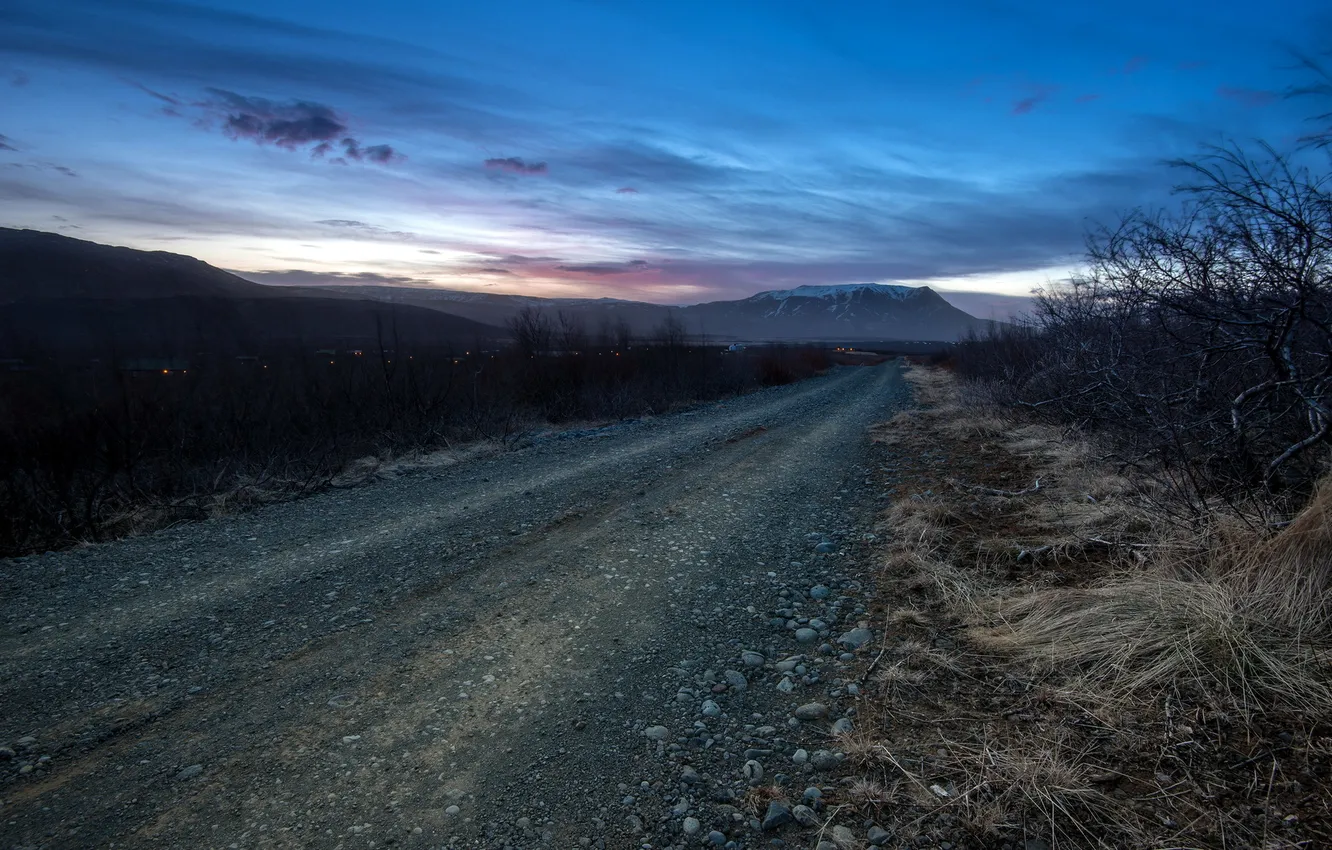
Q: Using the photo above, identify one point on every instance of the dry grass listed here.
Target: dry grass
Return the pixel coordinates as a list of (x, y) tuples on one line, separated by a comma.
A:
[(1095, 628)]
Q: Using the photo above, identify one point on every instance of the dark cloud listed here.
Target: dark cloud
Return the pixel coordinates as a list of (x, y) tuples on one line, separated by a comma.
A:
[(516, 165), (488, 270), (290, 125), (369, 231), (18, 79), (1246, 97), (520, 260), (342, 222), (6, 144), (1040, 95), (305, 277), (626, 190), (606, 268)]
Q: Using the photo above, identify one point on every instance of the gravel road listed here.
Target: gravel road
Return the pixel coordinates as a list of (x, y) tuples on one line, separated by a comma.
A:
[(601, 641)]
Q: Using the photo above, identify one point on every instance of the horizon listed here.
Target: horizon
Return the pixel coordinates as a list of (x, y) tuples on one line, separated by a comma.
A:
[(669, 153)]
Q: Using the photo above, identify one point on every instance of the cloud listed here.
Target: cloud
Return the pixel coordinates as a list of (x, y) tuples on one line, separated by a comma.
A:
[(1027, 104), (626, 190), (1190, 65), (489, 270), (6, 144), (1133, 65), (18, 79), (305, 277), (516, 165), (1087, 98), (290, 125), (1247, 97), (342, 222), (368, 231), (606, 268)]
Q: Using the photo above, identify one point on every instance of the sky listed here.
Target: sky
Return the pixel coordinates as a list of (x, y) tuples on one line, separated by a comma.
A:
[(673, 151)]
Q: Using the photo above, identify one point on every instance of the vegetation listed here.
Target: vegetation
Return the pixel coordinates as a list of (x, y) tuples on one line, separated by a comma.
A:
[(94, 449)]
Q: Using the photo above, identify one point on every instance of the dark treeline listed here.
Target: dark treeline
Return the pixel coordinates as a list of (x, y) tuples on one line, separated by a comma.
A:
[(1199, 341), (91, 449)]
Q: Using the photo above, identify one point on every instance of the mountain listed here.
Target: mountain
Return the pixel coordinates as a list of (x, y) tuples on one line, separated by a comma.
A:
[(65, 295), (866, 311)]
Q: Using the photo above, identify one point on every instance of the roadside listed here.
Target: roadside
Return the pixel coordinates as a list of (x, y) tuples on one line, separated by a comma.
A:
[(1063, 668)]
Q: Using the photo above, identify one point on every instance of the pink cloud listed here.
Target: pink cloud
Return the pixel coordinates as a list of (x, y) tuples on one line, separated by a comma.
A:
[(1030, 102), (1246, 97), (516, 165)]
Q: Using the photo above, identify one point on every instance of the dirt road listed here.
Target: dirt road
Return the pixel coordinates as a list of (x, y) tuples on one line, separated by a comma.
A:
[(597, 641)]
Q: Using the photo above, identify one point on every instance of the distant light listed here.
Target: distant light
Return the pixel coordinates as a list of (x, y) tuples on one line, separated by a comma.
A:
[(166, 371)]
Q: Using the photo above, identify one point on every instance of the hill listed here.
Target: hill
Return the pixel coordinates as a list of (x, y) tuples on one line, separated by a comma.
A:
[(64, 295)]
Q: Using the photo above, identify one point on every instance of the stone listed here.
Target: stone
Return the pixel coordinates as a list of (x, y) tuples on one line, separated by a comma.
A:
[(843, 836), (736, 680), (811, 711), (856, 638), (688, 775), (878, 836), (657, 733), (825, 759), (800, 756), (453, 811), (691, 826), (826, 547), (806, 635), (711, 709), (843, 726), (786, 685), (777, 816), (805, 816), (717, 838), (752, 659), (753, 772), (819, 592), (189, 772)]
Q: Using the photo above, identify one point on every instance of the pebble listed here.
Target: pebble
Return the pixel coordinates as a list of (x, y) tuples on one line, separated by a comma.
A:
[(800, 756), (811, 711), (711, 709), (819, 592), (691, 826), (805, 816), (657, 733), (752, 659), (878, 836), (736, 680), (856, 638), (753, 772), (717, 838), (453, 811), (189, 772), (843, 726), (777, 816), (806, 635), (825, 548)]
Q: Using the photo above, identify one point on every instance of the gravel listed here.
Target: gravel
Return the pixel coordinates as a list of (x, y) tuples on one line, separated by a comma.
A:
[(490, 654)]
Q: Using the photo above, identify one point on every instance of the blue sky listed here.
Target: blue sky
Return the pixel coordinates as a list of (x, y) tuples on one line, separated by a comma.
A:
[(673, 151)]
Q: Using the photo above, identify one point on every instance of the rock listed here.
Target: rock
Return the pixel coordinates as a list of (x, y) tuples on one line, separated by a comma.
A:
[(843, 726), (812, 793), (805, 816), (657, 733), (6, 754), (753, 772), (717, 838), (26, 742), (189, 772), (825, 759), (711, 709), (878, 836), (736, 680), (751, 658), (453, 811), (843, 836), (819, 592), (856, 638), (786, 685), (806, 635), (691, 826), (777, 816), (811, 711), (688, 775), (825, 547), (787, 665), (800, 756)]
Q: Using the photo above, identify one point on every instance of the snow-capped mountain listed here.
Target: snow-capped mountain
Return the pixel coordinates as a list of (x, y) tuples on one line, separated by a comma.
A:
[(862, 311)]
